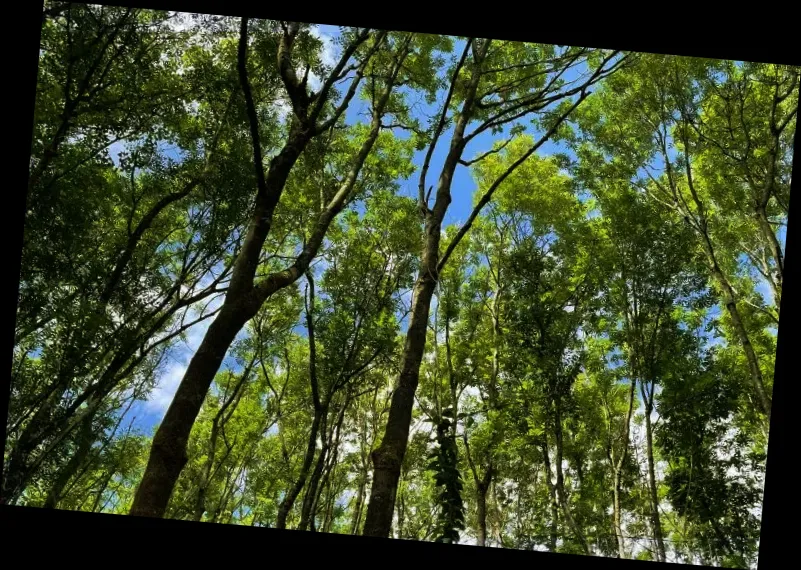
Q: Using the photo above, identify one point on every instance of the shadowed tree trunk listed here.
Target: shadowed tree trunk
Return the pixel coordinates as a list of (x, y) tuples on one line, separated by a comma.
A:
[(559, 488), (656, 523), (482, 488), (44, 424), (617, 469), (388, 457), (318, 420), (326, 460)]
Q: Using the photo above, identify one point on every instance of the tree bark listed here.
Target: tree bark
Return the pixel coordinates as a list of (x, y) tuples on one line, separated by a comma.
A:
[(311, 492), (701, 226), (326, 462), (557, 491), (357, 509), (656, 523), (388, 457), (730, 301), (621, 546), (554, 518), (318, 421), (168, 452), (617, 467), (482, 487)]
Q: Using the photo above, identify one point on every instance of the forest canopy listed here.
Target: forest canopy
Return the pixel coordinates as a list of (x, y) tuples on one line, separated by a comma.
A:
[(397, 284)]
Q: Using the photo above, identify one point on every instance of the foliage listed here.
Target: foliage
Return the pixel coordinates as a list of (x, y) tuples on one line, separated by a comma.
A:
[(596, 359)]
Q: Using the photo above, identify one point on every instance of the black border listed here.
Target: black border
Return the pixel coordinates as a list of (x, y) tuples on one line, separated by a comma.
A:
[(724, 33)]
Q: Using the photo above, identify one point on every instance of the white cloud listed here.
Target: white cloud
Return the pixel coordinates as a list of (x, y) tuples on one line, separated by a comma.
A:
[(166, 386), (328, 55), (181, 21), (114, 149), (325, 34), (283, 109), (764, 289), (162, 395)]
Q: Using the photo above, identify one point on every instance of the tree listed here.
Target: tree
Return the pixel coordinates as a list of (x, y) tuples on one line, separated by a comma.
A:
[(310, 118), (474, 85)]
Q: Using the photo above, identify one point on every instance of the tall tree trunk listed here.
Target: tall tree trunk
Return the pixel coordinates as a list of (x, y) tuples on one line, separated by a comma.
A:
[(291, 496), (79, 349), (617, 468), (656, 523), (357, 509), (558, 490), (168, 451), (326, 463), (554, 535), (558, 497), (730, 301), (701, 226), (96, 508), (310, 498), (388, 457), (562, 494), (401, 515), (482, 487), (318, 421), (621, 546), (328, 519)]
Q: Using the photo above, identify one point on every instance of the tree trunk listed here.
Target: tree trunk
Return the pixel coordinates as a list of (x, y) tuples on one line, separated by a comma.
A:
[(554, 518), (328, 459), (244, 298), (45, 426), (99, 496), (388, 457), (729, 300), (357, 509), (482, 487), (701, 226), (168, 452), (310, 498), (617, 467), (558, 490), (655, 520), (319, 421), (621, 548), (291, 496)]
